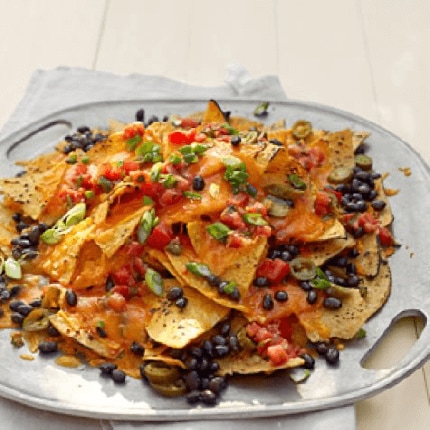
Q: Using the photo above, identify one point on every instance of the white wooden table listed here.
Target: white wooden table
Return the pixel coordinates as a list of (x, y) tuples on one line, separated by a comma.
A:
[(368, 57)]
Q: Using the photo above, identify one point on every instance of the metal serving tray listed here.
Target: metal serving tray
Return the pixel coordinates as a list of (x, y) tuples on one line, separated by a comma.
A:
[(42, 384)]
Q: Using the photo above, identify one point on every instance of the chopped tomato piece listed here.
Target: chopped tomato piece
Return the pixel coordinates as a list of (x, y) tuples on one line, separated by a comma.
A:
[(170, 197), (189, 123), (134, 249), (233, 219), (160, 237), (123, 290), (322, 203), (277, 355), (274, 270), (131, 130), (131, 166), (179, 137), (239, 199), (111, 172), (116, 301), (263, 230), (385, 236), (123, 276)]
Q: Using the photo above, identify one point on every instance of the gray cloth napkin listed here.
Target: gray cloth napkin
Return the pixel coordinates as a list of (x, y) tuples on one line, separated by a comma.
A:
[(51, 90)]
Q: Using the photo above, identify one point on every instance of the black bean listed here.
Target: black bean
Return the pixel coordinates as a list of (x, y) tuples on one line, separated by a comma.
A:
[(332, 355), (306, 285), (181, 303), (261, 282), (276, 142), (17, 217), (207, 347), (198, 183), (14, 305), (140, 115), (293, 249), (235, 140), (21, 226), (24, 309), (332, 303), (17, 318), (36, 303), (358, 232), (208, 397), (312, 297), (53, 332), (351, 269), (48, 347), (217, 384), (213, 280), (286, 256), (225, 328), (363, 176), (213, 366), (193, 396), (309, 361), (321, 348), (281, 296), (268, 302), (71, 297), (118, 376), (137, 348), (234, 343), (101, 331), (83, 129), (192, 380), (203, 366), (34, 235), (378, 205), (175, 293), (192, 363), (273, 253), (110, 283), (352, 281), (219, 340), (196, 351), (4, 296), (29, 254), (221, 350), (107, 368)]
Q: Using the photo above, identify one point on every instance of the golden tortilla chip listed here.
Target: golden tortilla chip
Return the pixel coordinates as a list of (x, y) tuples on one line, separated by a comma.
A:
[(59, 261), (369, 260), (176, 327), (111, 237), (70, 326), (320, 252), (345, 322), (214, 113), (32, 192), (341, 150), (358, 137)]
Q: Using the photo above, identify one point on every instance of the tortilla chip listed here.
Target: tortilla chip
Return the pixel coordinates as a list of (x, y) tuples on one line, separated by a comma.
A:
[(320, 252), (111, 237), (7, 226), (247, 363), (369, 260), (177, 327), (214, 113), (341, 150), (27, 192), (70, 326), (358, 137), (345, 322), (385, 216), (59, 261)]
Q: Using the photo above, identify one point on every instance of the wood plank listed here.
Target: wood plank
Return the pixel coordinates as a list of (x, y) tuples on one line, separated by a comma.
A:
[(226, 31), (398, 42), (41, 35), (322, 56), (144, 36)]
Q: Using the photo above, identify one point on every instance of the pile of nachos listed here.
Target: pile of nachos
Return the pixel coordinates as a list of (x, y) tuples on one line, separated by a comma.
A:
[(188, 249)]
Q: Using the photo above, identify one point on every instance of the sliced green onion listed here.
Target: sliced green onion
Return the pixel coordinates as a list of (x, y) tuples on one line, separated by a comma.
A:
[(198, 269), (361, 334), (154, 281), (192, 195), (320, 281), (261, 109), (12, 268), (52, 236), (85, 159), (147, 223), (229, 288), (199, 148), (156, 171), (296, 182), (168, 180), (105, 184), (72, 159), (254, 219), (133, 142), (74, 215), (230, 129), (147, 201), (175, 159), (89, 194), (218, 230)]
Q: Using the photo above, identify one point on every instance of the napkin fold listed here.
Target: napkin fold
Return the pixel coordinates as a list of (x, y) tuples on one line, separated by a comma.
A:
[(52, 90)]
